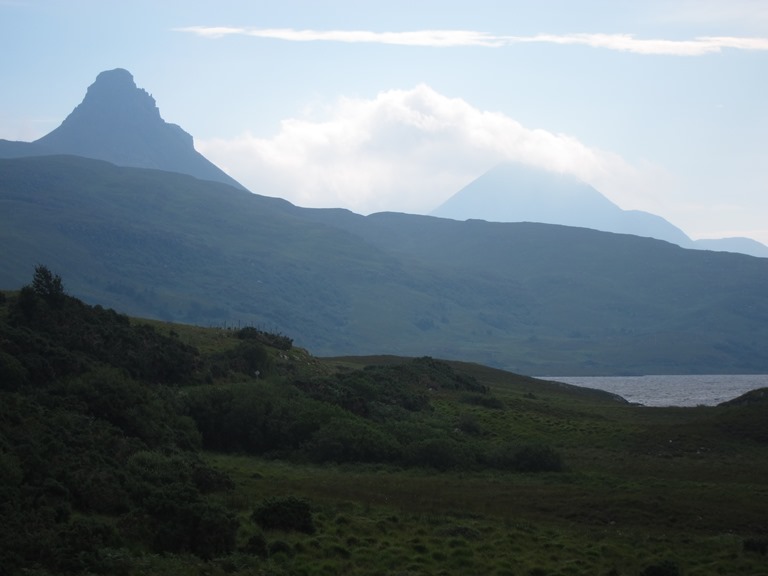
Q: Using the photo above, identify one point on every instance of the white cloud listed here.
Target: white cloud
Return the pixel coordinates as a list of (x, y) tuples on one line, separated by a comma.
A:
[(452, 38), (213, 31), (409, 150)]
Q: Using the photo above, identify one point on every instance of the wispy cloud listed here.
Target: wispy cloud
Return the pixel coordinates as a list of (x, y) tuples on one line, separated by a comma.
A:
[(454, 38), (437, 38)]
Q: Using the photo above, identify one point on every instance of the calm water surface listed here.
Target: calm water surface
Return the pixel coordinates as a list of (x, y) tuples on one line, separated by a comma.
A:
[(672, 390)]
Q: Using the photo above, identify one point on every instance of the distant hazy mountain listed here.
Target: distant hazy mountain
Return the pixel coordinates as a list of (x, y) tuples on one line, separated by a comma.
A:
[(121, 123), (514, 192), (533, 298)]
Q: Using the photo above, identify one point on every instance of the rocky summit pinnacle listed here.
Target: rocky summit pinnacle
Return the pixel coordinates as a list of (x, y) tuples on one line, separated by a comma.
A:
[(113, 107), (120, 123), (115, 92)]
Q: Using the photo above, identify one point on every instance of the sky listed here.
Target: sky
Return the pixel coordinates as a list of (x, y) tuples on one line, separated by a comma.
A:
[(662, 105)]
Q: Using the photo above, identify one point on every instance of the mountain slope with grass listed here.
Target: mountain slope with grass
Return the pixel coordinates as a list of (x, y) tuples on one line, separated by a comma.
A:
[(534, 298), (130, 446)]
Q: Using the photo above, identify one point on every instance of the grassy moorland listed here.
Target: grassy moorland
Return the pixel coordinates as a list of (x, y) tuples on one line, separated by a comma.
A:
[(139, 447)]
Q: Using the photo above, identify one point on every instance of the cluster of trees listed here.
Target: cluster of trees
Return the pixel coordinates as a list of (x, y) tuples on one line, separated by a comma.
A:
[(102, 421)]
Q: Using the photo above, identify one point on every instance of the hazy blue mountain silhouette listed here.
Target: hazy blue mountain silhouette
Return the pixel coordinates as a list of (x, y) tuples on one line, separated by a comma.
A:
[(515, 192), (120, 123)]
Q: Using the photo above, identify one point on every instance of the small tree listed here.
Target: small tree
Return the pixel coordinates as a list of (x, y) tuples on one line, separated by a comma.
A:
[(48, 285)]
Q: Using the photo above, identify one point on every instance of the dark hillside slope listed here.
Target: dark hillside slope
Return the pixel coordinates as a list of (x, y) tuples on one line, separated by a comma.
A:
[(533, 298), (580, 295), (169, 246)]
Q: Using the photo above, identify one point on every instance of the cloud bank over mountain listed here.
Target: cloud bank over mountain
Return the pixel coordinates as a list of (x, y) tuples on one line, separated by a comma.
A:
[(409, 150)]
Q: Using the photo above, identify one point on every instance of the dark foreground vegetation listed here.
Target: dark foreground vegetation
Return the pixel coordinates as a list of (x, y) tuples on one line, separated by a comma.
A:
[(137, 447)]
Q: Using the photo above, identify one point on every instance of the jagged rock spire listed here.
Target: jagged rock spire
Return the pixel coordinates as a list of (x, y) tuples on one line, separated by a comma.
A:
[(121, 123)]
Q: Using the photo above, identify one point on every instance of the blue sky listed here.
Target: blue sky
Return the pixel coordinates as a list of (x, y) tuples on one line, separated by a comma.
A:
[(662, 105)]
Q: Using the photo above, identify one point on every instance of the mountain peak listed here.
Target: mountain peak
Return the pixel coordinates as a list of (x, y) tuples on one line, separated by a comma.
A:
[(515, 192), (116, 77), (115, 120), (117, 80), (119, 122), (115, 90)]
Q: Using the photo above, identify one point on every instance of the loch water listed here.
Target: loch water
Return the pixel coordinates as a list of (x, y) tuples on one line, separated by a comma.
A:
[(686, 390)]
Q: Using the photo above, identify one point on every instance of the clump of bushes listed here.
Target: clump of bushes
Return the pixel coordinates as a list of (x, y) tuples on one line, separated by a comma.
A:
[(537, 459), (438, 453), (758, 545), (484, 400), (250, 358), (257, 545), (290, 514), (352, 439), (532, 458), (279, 341), (663, 568)]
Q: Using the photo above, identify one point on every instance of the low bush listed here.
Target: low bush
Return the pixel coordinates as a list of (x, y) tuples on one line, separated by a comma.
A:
[(278, 341), (351, 440), (484, 400), (534, 458), (537, 459), (758, 545), (290, 514), (438, 453), (257, 546), (663, 568)]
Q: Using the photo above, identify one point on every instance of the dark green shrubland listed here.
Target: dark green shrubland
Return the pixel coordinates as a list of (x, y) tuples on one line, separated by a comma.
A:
[(136, 447)]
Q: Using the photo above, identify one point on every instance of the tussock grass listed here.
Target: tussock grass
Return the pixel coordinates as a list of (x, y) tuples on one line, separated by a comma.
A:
[(380, 521)]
